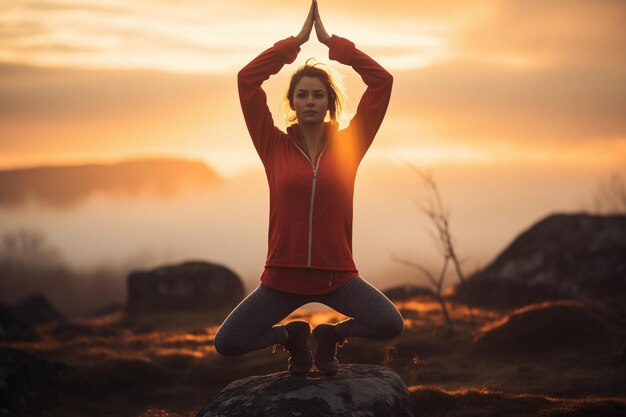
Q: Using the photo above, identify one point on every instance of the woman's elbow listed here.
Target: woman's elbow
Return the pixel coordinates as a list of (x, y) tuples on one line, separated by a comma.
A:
[(386, 82), (241, 77), (389, 79), (245, 87)]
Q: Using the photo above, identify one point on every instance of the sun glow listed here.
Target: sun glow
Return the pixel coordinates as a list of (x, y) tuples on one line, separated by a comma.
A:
[(604, 153)]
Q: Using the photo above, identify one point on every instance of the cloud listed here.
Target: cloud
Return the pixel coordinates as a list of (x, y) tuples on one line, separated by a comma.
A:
[(29, 91), (54, 48), (194, 36), (182, 37), (469, 99), (554, 32), (60, 113), (60, 6), (554, 71), (13, 31), (414, 34), (426, 10), (465, 72)]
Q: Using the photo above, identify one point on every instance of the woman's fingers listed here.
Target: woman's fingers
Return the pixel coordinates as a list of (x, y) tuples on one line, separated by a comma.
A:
[(311, 16), (305, 32), (322, 35)]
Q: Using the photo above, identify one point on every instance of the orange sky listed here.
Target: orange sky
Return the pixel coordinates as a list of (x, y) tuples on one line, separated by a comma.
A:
[(475, 82), (518, 105)]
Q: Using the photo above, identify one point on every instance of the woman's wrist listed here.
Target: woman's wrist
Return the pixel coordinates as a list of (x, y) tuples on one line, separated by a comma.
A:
[(300, 40)]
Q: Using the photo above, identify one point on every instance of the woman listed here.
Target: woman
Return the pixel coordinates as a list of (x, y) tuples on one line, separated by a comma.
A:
[(311, 170)]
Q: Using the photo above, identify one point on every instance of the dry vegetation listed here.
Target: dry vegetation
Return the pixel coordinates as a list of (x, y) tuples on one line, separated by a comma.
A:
[(610, 194), (166, 366), (29, 265)]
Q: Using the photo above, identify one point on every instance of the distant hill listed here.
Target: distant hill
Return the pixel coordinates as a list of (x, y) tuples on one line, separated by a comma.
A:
[(63, 186)]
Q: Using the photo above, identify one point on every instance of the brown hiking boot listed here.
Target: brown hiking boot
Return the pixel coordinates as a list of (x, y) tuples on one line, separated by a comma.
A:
[(325, 355), (297, 343)]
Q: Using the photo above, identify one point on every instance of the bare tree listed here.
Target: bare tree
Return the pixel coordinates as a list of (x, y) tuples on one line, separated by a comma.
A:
[(610, 196), (29, 265), (432, 206), (437, 284), (26, 250)]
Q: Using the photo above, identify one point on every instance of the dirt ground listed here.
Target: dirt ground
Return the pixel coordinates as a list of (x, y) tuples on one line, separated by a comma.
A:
[(165, 365)]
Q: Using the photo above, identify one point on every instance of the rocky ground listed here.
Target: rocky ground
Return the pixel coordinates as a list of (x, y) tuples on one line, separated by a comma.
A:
[(554, 359)]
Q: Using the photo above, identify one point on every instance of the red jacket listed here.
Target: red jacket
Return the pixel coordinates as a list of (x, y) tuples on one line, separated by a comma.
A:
[(310, 223)]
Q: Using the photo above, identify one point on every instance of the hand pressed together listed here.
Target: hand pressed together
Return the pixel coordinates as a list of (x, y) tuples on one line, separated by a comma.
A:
[(313, 19), (322, 35)]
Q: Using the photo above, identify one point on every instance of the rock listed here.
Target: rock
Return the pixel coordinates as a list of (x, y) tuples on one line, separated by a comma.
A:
[(23, 379), (406, 292), (542, 328), (188, 286), (36, 309), (562, 256), (14, 329), (356, 391), (492, 292)]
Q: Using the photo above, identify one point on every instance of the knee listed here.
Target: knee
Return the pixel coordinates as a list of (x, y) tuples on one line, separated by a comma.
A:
[(398, 326), (394, 327), (226, 346)]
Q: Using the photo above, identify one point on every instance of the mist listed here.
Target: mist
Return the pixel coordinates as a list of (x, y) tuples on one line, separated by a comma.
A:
[(83, 252)]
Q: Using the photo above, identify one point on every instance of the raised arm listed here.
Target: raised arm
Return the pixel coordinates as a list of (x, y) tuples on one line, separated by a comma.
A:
[(252, 97), (374, 102)]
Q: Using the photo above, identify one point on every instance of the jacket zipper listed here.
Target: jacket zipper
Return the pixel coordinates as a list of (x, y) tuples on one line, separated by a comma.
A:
[(330, 283), (314, 167)]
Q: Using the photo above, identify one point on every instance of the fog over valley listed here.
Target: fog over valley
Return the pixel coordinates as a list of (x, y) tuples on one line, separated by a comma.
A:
[(224, 220)]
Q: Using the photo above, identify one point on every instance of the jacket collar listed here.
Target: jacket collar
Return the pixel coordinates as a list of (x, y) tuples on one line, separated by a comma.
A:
[(293, 131)]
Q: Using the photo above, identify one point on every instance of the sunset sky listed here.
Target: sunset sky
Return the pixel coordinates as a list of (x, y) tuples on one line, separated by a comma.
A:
[(481, 82), (517, 106)]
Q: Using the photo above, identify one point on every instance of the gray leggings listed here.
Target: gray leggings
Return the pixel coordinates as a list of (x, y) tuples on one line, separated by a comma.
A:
[(251, 325)]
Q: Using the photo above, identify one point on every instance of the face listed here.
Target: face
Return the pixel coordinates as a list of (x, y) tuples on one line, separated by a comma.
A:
[(310, 100)]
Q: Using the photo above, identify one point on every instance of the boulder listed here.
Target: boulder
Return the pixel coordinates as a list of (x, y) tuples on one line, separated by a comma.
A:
[(14, 329), (24, 377), (356, 391), (36, 309), (188, 286), (562, 256), (542, 328), (492, 292)]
